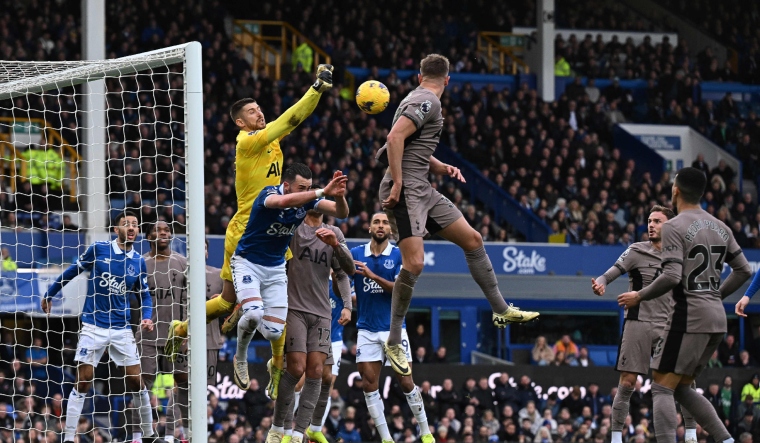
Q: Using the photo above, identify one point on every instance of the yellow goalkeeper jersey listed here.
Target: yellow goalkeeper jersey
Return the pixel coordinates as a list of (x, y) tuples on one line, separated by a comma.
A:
[(258, 158)]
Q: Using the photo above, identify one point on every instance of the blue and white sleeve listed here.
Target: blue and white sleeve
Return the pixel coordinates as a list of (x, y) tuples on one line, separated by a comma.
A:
[(84, 263), (147, 302), (754, 286)]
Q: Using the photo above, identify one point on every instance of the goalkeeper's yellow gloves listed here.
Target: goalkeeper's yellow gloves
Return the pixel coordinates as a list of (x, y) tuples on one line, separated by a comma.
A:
[(324, 78)]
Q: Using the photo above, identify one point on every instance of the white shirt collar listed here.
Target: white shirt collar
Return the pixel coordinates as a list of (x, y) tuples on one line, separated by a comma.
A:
[(118, 250), (386, 252)]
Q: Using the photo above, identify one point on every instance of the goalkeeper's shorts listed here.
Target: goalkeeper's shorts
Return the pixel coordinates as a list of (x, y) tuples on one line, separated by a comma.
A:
[(231, 239)]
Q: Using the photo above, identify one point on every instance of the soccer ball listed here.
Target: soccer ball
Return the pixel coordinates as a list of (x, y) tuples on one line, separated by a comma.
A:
[(372, 97)]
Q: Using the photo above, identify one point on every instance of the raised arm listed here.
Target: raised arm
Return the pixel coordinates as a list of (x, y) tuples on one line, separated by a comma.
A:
[(292, 117), (336, 187)]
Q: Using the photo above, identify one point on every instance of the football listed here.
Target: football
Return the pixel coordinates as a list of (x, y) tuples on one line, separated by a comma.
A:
[(372, 97)]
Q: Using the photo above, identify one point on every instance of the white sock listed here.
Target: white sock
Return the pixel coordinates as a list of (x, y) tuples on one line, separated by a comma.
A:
[(730, 440), (691, 433), (137, 437), (296, 399), (315, 428), (414, 398), (277, 429), (73, 412), (169, 439), (617, 437), (297, 434), (377, 412), (289, 432), (327, 411), (142, 403)]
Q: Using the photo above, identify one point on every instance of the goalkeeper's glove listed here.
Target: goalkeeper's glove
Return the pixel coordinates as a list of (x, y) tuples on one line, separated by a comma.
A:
[(324, 78)]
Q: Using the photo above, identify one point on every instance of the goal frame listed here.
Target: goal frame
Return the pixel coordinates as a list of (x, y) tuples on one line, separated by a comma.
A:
[(190, 55)]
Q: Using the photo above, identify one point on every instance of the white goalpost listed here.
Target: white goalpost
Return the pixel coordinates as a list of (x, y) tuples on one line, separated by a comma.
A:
[(80, 142)]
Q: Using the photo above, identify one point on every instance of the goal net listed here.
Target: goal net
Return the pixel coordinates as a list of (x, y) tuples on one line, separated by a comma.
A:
[(81, 143)]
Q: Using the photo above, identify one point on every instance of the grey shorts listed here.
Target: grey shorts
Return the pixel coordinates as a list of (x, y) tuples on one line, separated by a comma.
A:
[(153, 361), (308, 333), (685, 353), (421, 210), (637, 343)]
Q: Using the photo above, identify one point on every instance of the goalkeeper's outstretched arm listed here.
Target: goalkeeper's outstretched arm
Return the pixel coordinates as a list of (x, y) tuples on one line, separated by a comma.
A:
[(297, 113)]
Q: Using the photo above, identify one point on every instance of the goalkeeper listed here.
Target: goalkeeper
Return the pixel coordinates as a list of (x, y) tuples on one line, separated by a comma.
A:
[(258, 164)]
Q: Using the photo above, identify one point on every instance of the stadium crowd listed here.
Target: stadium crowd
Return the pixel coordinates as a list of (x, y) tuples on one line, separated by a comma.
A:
[(557, 159), (509, 411)]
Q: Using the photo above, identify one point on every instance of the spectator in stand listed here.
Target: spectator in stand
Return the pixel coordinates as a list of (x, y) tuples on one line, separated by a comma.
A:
[(485, 396), (567, 346), (448, 398), (542, 354), (583, 358), (420, 355), (745, 361), (349, 434), (729, 400), (421, 339), (530, 412), (440, 355), (752, 388), (728, 351), (504, 393)]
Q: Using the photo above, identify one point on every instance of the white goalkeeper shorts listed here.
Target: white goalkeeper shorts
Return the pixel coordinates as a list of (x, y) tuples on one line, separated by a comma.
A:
[(337, 352), (369, 346), (93, 342), (252, 280)]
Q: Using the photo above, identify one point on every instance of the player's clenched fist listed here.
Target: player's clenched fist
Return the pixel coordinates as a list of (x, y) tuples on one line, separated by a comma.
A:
[(324, 78)]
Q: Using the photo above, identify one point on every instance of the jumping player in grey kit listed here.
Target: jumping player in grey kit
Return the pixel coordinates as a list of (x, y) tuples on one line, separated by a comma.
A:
[(694, 247), (416, 209)]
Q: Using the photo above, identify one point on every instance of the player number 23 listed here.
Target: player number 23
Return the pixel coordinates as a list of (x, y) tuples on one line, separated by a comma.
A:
[(707, 256)]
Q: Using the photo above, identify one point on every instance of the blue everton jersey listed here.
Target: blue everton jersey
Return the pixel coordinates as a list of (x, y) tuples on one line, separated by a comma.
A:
[(269, 230), (336, 303), (374, 303), (114, 275)]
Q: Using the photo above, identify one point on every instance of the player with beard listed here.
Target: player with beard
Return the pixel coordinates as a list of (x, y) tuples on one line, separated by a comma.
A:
[(378, 265), (695, 245), (644, 324), (116, 269)]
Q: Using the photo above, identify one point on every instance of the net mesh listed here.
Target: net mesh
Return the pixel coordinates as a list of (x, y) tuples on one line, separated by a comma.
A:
[(50, 215)]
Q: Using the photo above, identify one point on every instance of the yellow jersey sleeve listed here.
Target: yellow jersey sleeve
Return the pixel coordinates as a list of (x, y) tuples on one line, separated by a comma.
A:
[(252, 143)]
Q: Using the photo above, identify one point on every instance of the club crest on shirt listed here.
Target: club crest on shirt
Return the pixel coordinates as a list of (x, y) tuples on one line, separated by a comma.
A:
[(131, 271), (426, 106), (301, 213), (247, 279), (389, 264)]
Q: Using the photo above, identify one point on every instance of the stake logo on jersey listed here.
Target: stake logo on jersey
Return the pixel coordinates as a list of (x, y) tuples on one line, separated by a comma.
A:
[(113, 273), (269, 230), (373, 302)]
